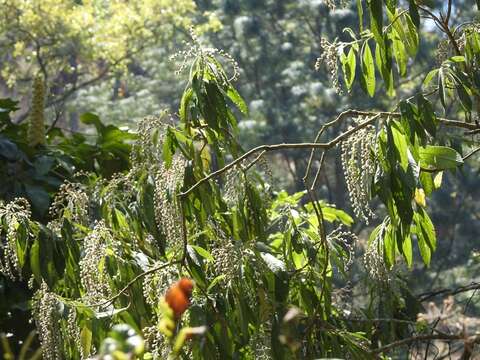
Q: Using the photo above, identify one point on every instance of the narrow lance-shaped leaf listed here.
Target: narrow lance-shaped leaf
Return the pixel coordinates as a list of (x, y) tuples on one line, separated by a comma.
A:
[(368, 70)]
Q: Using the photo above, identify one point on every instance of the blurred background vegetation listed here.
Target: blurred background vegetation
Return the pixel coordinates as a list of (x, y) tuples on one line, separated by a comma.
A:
[(107, 66)]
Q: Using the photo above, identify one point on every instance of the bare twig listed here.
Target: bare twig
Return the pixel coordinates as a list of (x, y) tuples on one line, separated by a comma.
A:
[(446, 292), (446, 337), (373, 117), (131, 282)]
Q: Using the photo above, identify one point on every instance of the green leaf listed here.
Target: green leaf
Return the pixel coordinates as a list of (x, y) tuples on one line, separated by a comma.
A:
[(360, 14), (237, 99), (407, 250), (215, 282), (437, 180), (442, 89), (400, 55), (425, 251), (401, 145), (368, 70), (86, 339), (413, 11), (457, 59), (427, 182), (35, 261), (202, 252), (430, 76), (331, 214), (439, 158), (184, 103), (168, 149), (92, 119), (427, 228), (349, 68), (389, 245), (376, 20)]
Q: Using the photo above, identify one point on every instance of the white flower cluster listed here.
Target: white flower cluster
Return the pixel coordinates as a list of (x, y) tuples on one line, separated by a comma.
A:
[(13, 215), (332, 4), (147, 149), (167, 213), (156, 343), (73, 331), (260, 343), (373, 257), (119, 187), (228, 260), (329, 57), (228, 256), (195, 49), (93, 272), (346, 240), (359, 169), (47, 320), (71, 202), (234, 190)]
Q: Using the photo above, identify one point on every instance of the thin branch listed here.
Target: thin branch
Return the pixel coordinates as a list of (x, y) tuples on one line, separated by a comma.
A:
[(133, 281), (446, 337), (446, 292), (374, 116)]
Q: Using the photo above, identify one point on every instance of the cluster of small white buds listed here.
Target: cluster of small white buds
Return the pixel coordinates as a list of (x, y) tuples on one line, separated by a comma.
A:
[(14, 215), (72, 202), (260, 342), (147, 149), (234, 190), (47, 320), (228, 260), (195, 49), (329, 57), (73, 332), (346, 239), (167, 212), (359, 169), (373, 258), (94, 276), (156, 343)]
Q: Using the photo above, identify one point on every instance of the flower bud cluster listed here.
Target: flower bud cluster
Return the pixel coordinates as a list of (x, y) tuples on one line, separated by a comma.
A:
[(119, 188), (346, 240), (234, 191), (73, 332), (94, 276), (47, 320), (227, 254), (14, 215), (71, 202), (373, 258), (36, 129), (228, 260), (329, 58), (260, 343), (156, 343), (359, 169), (147, 149), (332, 4), (167, 213), (195, 50)]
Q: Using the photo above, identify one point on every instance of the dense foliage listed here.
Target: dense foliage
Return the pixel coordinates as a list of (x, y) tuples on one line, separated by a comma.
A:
[(175, 242)]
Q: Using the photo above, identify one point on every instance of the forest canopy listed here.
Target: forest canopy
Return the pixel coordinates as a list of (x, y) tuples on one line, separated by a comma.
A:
[(224, 179)]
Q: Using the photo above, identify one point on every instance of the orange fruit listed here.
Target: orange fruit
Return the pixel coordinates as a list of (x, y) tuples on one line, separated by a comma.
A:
[(178, 296)]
